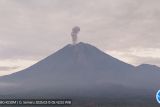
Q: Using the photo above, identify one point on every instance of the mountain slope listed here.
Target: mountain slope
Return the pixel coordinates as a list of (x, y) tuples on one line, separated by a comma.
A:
[(149, 76), (81, 69)]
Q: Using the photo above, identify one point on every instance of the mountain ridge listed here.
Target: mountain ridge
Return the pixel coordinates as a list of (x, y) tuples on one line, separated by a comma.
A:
[(79, 68)]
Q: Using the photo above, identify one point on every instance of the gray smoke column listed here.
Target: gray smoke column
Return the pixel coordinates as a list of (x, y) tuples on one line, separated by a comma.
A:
[(74, 33)]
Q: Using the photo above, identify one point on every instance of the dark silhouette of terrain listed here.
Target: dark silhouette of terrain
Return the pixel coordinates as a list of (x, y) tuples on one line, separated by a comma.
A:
[(88, 76)]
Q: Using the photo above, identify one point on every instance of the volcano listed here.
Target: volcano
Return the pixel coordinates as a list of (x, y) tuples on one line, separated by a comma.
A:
[(82, 70)]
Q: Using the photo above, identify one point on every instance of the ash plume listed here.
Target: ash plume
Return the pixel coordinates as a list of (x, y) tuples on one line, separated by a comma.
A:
[(75, 31)]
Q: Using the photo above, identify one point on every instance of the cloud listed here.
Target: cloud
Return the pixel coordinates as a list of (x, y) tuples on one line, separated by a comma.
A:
[(33, 29), (137, 56), (7, 68), (14, 65)]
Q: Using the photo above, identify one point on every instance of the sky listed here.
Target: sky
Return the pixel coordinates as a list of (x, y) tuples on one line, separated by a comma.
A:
[(30, 30)]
